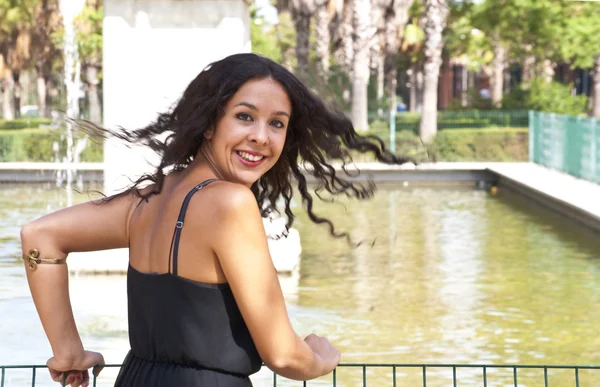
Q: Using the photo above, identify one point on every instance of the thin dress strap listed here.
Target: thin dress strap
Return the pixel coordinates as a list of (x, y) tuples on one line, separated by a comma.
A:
[(179, 225)]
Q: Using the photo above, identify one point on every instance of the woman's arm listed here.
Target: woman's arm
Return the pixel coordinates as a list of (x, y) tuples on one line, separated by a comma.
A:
[(85, 227), (240, 243)]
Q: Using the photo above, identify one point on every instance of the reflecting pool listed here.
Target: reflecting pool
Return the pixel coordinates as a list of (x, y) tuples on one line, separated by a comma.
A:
[(443, 275)]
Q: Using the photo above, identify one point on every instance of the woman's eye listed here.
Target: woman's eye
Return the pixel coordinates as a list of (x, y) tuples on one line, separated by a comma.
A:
[(277, 124), (244, 117)]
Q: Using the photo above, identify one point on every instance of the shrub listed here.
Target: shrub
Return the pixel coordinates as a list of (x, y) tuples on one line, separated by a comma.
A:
[(461, 144), (499, 144), (22, 123), (448, 119), (37, 145)]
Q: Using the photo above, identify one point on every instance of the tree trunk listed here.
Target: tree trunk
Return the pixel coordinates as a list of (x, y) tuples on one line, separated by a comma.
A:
[(395, 21), (301, 17), (360, 73), (91, 75), (416, 87), (528, 72), (378, 13), (498, 73), (17, 92), (323, 39), (344, 52), (7, 100), (41, 95), (547, 70), (596, 91), (380, 77), (436, 12)]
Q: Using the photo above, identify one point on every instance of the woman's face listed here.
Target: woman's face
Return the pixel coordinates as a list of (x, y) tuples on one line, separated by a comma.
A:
[(248, 139)]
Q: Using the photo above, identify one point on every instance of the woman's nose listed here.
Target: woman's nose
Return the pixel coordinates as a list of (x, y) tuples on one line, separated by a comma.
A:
[(260, 134)]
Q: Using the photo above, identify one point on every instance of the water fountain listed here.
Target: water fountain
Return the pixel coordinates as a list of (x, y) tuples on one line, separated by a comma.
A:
[(69, 9)]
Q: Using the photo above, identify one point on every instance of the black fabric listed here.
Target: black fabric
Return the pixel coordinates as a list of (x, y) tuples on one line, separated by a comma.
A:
[(184, 332)]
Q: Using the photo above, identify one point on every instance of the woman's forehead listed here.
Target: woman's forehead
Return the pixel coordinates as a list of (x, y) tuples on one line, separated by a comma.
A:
[(263, 93)]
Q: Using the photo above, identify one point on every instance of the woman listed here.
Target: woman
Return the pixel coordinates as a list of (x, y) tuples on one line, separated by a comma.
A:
[(205, 305)]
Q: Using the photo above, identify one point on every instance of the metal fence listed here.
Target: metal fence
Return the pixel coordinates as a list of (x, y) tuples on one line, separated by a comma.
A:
[(422, 375), (566, 143)]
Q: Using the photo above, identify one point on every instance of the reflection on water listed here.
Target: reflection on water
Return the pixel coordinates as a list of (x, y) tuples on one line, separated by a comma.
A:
[(442, 276)]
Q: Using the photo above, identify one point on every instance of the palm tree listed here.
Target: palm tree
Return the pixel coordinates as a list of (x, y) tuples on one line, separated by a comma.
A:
[(436, 12), (16, 22), (324, 12), (302, 11), (379, 15), (396, 19), (45, 52), (360, 67), (89, 39)]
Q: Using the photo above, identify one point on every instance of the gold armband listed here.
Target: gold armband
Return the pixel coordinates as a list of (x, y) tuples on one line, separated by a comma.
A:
[(33, 259)]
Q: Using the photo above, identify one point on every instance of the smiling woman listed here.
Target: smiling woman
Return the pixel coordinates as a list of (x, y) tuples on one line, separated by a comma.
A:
[(205, 303), (249, 138)]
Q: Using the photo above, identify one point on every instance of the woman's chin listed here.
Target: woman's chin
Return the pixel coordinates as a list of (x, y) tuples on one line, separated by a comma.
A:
[(247, 179)]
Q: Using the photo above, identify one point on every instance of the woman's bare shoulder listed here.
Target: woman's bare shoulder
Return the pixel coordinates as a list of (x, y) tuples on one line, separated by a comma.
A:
[(232, 197)]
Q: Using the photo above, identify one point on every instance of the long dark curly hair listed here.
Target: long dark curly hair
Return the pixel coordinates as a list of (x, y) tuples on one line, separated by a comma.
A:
[(316, 136)]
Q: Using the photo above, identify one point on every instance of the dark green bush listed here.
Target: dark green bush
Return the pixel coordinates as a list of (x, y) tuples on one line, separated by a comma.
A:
[(37, 145), (500, 144), (449, 119), (22, 123), (466, 144)]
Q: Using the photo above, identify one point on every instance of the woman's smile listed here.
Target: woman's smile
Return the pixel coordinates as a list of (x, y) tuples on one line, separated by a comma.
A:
[(250, 158)]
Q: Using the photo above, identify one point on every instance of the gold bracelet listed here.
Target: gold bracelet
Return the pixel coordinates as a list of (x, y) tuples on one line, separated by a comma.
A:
[(33, 259)]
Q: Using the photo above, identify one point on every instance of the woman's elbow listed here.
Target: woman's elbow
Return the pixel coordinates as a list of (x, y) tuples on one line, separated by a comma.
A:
[(29, 231)]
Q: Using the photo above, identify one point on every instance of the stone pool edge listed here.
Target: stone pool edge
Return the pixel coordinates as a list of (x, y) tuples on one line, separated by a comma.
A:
[(559, 192)]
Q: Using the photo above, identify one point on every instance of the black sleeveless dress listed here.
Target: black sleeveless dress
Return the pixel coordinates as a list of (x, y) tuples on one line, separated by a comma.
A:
[(183, 332)]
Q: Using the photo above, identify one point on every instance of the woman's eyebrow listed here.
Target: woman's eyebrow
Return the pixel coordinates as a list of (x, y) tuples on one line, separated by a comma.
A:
[(250, 106)]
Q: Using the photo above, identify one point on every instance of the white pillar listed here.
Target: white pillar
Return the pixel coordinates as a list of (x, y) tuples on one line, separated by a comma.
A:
[(152, 50)]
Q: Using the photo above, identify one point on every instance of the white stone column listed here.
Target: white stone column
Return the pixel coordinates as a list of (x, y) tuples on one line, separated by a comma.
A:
[(152, 50)]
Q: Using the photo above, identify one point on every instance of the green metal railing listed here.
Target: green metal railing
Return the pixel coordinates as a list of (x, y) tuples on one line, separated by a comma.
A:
[(565, 143), (487, 375)]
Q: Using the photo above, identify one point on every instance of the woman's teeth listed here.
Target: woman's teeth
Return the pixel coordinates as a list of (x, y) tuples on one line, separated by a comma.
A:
[(249, 157)]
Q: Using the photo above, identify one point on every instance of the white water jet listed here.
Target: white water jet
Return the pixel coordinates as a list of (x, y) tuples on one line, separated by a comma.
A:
[(69, 9)]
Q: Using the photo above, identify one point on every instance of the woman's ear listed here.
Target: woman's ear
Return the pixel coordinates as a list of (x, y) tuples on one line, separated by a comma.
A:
[(208, 133)]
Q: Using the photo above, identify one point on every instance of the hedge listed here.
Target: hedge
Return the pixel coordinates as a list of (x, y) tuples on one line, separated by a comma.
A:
[(23, 123), (488, 144), (37, 145), (496, 144), (461, 144), (448, 119)]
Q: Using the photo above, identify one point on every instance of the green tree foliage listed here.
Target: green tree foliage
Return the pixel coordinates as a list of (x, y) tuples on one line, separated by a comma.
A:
[(89, 32), (274, 41), (580, 42), (553, 97)]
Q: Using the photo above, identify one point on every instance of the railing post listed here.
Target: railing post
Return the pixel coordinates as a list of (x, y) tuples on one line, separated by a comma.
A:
[(556, 151), (532, 136), (594, 159), (393, 131)]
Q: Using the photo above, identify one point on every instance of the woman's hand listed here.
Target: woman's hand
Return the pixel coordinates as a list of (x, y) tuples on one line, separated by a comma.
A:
[(329, 355), (77, 374)]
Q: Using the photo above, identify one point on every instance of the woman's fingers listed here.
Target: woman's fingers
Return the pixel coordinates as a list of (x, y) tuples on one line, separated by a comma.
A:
[(77, 379), (86, 379)]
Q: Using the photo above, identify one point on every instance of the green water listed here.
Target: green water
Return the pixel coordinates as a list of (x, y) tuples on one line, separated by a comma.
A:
[(443, 276)]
